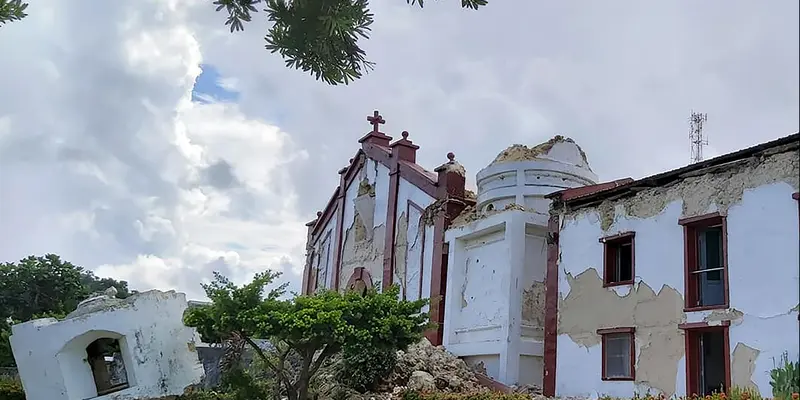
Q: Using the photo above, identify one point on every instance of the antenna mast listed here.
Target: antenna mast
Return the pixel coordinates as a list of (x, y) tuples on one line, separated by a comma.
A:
[(696, 138)]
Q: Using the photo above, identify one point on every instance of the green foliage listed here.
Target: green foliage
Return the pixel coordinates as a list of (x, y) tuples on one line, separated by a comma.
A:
[(12, 10), (413, 395), (40, 287), (11, 389), (318, 37), (785, 377), (309, 328), (363, 366)]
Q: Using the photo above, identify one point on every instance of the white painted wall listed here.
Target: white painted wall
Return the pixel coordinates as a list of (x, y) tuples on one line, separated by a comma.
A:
[(763, 259), (486, 269), (158, 350), (414, 270)]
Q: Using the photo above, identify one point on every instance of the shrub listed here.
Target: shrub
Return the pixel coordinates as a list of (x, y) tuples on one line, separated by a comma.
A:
[(11, 389), (414, 395), (785, 378), (363, 367)]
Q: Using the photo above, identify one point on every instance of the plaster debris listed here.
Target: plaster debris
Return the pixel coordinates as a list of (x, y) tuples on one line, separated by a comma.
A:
[(423, 367), (518, 152), (471, 214)]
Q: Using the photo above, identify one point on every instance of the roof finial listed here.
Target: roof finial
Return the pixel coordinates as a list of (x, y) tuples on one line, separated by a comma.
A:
[(376, 119), (404, 134), (451, 157)]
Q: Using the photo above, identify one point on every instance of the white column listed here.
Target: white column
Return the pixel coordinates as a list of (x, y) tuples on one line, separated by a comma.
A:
[(512, 330)]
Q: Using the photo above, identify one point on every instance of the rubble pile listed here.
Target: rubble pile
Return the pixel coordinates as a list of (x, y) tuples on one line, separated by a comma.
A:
[(422, 367), (428, 367)]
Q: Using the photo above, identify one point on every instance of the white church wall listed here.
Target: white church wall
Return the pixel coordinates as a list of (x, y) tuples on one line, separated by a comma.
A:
[(365, 222), (410, 239), (158, 350), (763, 278)]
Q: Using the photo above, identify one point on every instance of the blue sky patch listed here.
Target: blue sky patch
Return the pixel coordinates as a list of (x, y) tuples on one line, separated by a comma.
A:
[(211, 87)]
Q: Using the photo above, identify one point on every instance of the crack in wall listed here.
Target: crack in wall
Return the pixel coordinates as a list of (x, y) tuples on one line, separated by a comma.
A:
[(721, 187)]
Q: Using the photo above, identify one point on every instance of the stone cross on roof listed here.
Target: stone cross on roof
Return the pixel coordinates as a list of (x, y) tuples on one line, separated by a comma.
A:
[(376, 119)]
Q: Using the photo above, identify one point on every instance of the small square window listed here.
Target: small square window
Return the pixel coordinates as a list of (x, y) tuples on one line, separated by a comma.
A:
[(618, 354), (618, 263)]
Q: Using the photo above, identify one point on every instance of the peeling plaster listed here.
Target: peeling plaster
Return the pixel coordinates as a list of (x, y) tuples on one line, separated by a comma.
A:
[(400, 251), (743, 364), (363, 245), (533, 308), (716, 188), (656, 317)]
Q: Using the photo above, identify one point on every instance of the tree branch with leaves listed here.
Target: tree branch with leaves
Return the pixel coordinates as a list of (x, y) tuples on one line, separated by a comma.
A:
[(12, 10)]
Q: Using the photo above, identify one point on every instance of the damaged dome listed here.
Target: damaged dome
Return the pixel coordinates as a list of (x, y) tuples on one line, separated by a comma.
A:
[(559, 148)]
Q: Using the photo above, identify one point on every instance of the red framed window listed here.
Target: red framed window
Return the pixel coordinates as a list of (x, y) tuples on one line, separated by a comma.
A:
[(618, 259), (618, 353), (705, 262)]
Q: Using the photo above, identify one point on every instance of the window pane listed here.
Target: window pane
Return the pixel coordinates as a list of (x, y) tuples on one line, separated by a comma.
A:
[(711, 288), (713, 247), (712, 291), (625, 262), (618, 355)]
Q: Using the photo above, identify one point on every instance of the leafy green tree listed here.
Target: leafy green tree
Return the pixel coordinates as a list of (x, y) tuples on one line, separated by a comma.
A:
[(309, 329), (12, 10), (46, 286), (317, 36)]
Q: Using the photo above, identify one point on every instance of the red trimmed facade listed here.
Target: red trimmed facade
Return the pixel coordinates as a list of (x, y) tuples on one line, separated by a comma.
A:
[(444, 191)]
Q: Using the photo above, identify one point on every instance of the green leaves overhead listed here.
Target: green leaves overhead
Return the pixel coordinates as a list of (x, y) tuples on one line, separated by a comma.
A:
[(317, 36), (12, 10)]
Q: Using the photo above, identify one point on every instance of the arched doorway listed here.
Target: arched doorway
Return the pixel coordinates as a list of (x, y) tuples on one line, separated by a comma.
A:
[(95, 363), (108, 368), (360, 281)]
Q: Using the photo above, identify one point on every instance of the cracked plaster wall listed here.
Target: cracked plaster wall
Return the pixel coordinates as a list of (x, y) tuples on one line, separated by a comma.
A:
[(158, 350), (762, 231), (533, 292), (365, 223), (409, 244)]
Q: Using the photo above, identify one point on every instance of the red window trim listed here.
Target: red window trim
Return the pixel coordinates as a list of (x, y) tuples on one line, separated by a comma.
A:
[(691, 368), (604, 332), (690, 226), (621, 237)]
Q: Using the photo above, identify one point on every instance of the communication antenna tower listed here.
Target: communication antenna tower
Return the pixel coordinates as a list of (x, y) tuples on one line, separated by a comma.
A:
[(696, 138)]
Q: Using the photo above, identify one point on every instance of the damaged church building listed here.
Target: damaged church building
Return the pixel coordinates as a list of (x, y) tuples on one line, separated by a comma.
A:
[(685, 282)]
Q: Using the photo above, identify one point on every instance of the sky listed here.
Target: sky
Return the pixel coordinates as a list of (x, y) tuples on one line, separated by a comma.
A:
[(144, 141)]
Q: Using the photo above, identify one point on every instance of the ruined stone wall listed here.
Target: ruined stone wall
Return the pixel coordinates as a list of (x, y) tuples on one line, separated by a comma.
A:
[(763, 258), (158, 350)]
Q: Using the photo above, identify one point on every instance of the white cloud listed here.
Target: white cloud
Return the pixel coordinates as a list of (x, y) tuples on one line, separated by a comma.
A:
[(105, 160)]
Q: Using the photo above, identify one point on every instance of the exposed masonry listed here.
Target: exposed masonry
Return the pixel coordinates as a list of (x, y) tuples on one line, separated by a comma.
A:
[(363, 243), (533, 308), (400, 247), (655, 315), (518, 152), (722, 186), (471, 214)]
